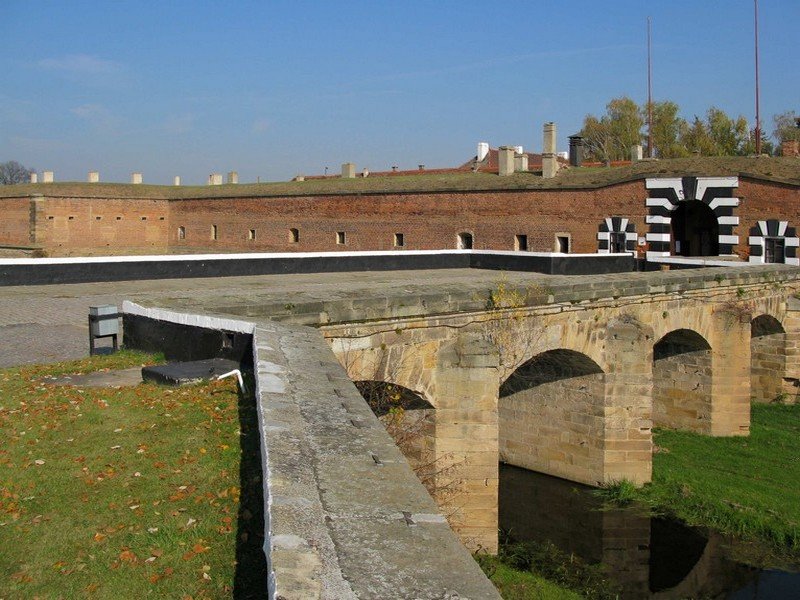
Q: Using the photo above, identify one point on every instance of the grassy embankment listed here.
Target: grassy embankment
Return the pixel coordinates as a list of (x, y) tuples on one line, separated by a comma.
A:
[(745, 486), (126, 492)]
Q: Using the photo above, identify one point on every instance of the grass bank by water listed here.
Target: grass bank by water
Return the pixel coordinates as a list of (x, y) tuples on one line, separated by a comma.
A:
[(745, 486), (126, 492)]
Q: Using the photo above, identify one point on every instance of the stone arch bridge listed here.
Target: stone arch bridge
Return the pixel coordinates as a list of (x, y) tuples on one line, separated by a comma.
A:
[(568, 377)]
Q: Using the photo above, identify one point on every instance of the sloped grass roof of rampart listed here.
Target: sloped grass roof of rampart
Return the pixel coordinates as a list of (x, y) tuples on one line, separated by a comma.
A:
[(784, 170)]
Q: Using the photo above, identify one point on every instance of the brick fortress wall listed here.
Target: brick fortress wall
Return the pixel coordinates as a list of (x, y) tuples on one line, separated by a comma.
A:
[(427, 221), (65, 226)]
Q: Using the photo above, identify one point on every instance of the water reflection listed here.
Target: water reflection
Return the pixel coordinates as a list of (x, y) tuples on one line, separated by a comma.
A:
[(649, 558)]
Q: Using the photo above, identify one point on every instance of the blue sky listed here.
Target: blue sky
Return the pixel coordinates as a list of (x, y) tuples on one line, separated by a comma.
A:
[(272, 89)]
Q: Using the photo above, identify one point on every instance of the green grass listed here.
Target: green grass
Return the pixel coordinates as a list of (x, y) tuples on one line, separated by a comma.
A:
[(126, 492), (782, 169), (515, 584), (745, 486)]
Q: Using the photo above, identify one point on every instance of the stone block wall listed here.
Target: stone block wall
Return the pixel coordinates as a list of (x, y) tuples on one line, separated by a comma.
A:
[(767, 365), (682, 390)]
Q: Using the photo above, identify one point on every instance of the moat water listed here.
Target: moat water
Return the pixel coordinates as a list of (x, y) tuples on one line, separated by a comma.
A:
[(646, 557)]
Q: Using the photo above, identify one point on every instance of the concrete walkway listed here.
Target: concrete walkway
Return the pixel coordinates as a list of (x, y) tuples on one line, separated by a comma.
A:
[(48, 323)]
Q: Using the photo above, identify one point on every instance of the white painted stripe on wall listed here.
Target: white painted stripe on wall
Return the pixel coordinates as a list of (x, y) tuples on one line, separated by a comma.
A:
[(623, 224), (658, 219), (756, 260), (631, 236), (729, 239), (662, 202), (792, 261), (782, 227), (656, 183), (728, 220), (762, 225), (792, 242), (723, 202), (755, 240), (603, 235), (190, 319), (658, 237), (703, 183)]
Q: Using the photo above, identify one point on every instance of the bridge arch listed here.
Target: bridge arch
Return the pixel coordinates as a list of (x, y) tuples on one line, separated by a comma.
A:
[(551, 416), (767, 358), (682, 381), (410, 419)]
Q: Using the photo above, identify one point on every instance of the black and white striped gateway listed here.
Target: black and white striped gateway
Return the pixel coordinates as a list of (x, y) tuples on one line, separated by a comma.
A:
[(692, 216)]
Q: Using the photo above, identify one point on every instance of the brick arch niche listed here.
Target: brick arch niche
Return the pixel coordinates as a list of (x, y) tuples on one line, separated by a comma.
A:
[(665, 195)]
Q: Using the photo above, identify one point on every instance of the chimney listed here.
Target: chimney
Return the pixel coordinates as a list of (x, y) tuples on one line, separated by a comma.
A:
[(365, 172), (575, 150), (215, 179), (136, 178), (348, 170), (636, 153), (394, 168), (34, 178), (47, 177), (176, 180), (421, 167), (94, 177), (483, 150), (521, 161), (505, 159), (233, 177), (549, 162)]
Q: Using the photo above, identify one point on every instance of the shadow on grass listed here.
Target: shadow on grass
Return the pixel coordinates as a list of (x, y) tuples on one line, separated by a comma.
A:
[(250, 578)]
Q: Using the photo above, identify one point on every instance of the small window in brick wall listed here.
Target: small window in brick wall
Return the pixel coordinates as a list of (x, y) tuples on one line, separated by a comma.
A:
[(562, 244), (341, 237), (399, 240), (294, 235), (464, 241), (521, 242), (251, 234), (214, 232), (181, 232), (774, 250)]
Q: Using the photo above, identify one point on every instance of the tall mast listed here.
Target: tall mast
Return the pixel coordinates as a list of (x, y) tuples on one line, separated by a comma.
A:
[(758, 113), (649, 96)]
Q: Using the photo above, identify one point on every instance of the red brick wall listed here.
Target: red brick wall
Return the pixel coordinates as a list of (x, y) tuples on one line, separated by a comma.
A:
[(427, 221), (15, 222), (97, 226), (762, 200)]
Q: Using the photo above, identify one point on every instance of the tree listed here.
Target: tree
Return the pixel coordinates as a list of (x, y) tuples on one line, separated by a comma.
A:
[(668, 131), (727, 135), (12, 172), (696, 139), (787, 127), (611, 136)]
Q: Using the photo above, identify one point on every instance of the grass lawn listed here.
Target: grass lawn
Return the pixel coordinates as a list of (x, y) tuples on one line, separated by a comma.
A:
[(515, 584), (131, 492), (746, 486)]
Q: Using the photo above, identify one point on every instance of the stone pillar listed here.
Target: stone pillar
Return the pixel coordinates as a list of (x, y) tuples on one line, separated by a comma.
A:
[(628, 439), (466, 388), (521, 162), (505, 160), (94, 177), (348, 170), (233, 177), (47, 177), (637, 153), (215, 179), (791, 324), (34, 178), (176, 180), (136, 178), (549, 162), (730, 371)]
